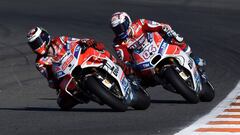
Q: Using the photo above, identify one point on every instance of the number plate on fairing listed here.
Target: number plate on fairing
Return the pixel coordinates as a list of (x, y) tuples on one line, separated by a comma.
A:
[(147, 49), (65, 65), (146, 54)]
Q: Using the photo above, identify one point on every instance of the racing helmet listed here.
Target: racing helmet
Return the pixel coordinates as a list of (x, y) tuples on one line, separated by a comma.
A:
[(120, 23), (38, 40)]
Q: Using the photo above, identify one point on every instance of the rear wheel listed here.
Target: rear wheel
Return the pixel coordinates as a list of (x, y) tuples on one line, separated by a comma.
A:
[(97, 88), (180, 85)]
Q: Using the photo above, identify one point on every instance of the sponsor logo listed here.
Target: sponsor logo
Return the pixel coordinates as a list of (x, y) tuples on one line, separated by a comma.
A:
[(163, 47), (60, 74), (67, 62), (76, 52), (190, 63), (150, 37), (141, 40), (125, 84), (143, 66), (116, 70)]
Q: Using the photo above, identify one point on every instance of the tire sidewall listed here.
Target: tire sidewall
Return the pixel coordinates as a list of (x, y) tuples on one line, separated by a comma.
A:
[(97, 88)]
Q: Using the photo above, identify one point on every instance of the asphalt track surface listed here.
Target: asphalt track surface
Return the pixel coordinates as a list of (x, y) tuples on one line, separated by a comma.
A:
[(28, 106)]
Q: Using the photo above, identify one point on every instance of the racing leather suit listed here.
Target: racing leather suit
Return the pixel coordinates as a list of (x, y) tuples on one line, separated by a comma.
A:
[(44, 62), (137, 30)]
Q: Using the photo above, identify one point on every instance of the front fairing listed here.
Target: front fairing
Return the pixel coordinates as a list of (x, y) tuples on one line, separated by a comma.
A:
[(157, 50), (152, 46)]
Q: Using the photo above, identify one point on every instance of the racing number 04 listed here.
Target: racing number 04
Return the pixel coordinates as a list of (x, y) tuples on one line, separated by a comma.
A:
[(148, 52)]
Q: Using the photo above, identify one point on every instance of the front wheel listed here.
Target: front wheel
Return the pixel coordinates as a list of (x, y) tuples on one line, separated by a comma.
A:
[(207, 93), (97, 88), (66, 102), (181, 87), (141, 100)]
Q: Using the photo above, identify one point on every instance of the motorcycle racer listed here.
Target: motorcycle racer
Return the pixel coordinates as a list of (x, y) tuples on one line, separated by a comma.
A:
[(41, 43), (48, 48), (128, 36)]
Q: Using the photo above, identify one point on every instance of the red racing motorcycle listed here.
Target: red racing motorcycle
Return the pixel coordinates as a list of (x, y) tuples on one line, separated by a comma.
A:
[(161, 63), (87, 74)]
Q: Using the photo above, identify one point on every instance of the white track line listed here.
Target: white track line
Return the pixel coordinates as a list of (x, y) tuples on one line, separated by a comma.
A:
[(226, 119), (234, 107), (196, 133), (221, 126), (218, 110), (230, 113)]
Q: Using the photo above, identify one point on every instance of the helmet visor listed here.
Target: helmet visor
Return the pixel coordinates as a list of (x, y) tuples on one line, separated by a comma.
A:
[(36, 43), (121, 28)]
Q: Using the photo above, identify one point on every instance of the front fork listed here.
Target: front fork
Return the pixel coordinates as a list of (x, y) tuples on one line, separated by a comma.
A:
[(116, 90), (75, 88), (69, 86), (171, 63)]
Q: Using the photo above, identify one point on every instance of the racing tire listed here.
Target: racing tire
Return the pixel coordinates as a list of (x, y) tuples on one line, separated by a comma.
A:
[(66, 102), (208, 93), (97, 88), (142, 100), (181, 87)]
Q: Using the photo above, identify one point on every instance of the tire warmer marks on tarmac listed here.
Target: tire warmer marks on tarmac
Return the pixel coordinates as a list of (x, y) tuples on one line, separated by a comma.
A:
[(224, 119)]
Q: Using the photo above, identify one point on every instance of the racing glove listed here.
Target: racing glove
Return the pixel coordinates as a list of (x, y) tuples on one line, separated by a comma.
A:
[(99, 46), (87, 42), (92, 43), (172, 34)]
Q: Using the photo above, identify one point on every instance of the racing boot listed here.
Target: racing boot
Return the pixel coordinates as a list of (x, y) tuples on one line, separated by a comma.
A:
[(200, 63)]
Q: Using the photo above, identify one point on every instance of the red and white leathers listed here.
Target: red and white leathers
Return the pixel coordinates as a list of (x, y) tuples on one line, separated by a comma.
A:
[(136, 31), (44, 62)]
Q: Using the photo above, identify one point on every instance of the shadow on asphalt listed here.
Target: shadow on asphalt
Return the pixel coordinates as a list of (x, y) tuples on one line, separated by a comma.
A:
[(47, 99), (45, 109), (169, 102)]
